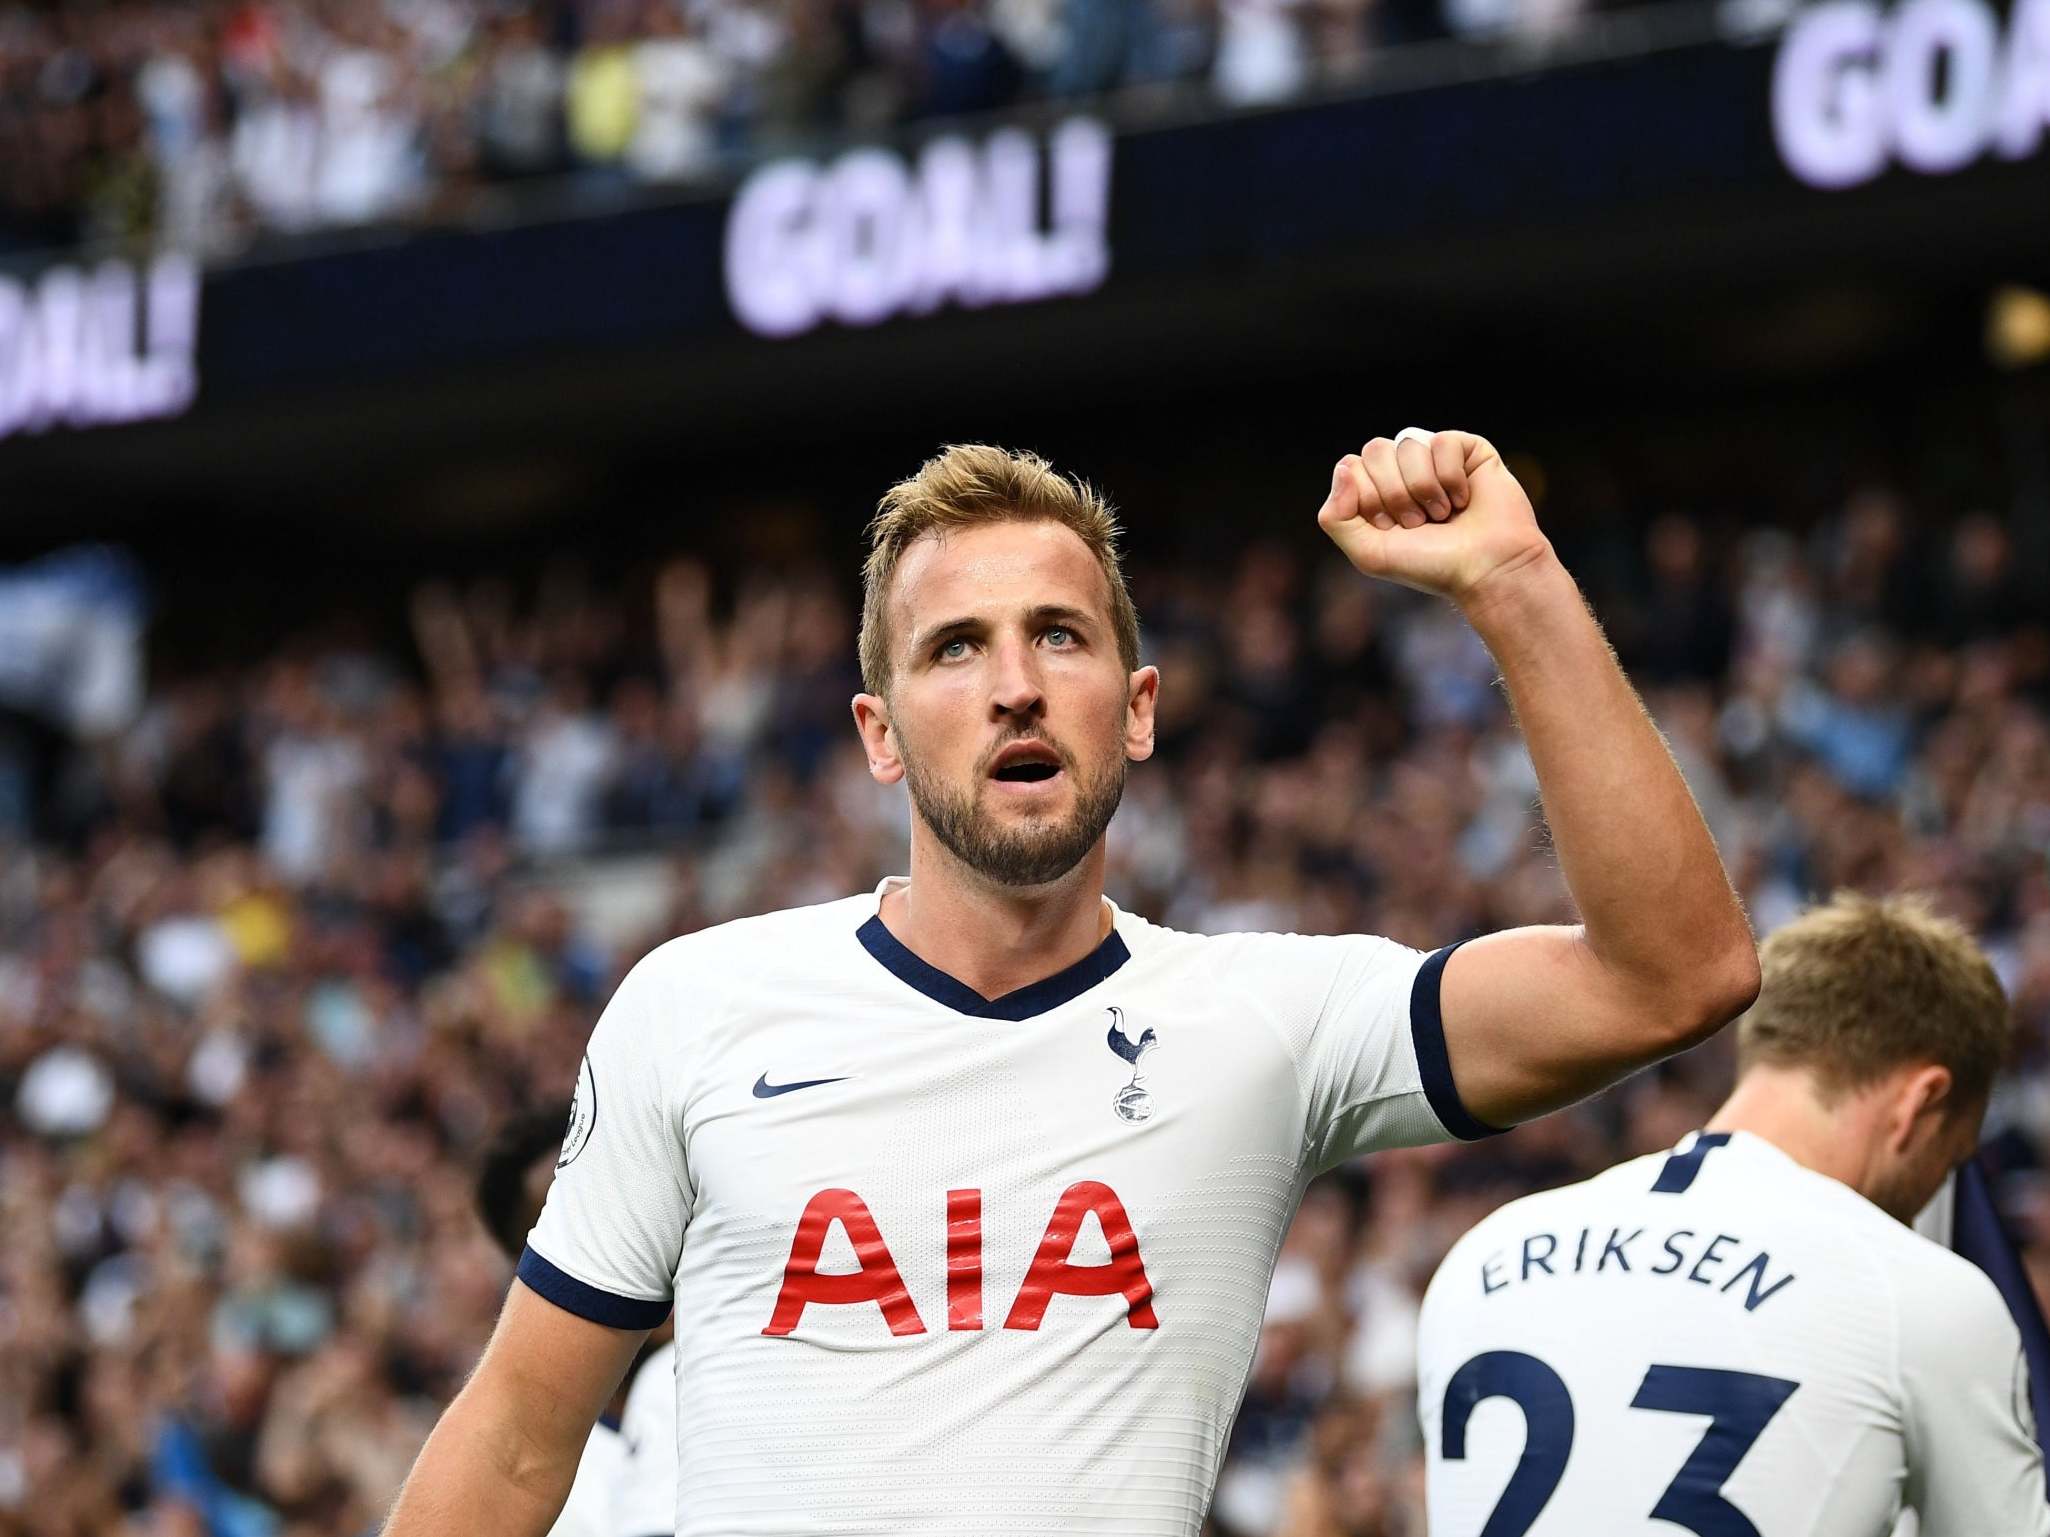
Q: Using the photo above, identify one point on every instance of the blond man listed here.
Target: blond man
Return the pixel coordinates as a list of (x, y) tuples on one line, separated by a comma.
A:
[(968, 1190), (1743, 1337)]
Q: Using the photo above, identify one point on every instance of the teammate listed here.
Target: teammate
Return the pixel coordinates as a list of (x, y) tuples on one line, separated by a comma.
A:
[(625, 1484), (1742, 1337), (968, 1190)]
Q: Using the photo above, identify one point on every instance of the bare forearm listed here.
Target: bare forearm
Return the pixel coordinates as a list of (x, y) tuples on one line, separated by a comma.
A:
[(1655, 903), (1536, 1017), (477, 1473)]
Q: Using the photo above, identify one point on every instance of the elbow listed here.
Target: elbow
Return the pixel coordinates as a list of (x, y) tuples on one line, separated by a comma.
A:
[(1719, 990)]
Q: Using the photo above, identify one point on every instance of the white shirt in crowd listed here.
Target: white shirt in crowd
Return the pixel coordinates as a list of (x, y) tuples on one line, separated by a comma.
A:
[(682, 84), (564, 762), (1263, 53), (1721, 1339), (307, 782), (944, 1264), (369, 165)]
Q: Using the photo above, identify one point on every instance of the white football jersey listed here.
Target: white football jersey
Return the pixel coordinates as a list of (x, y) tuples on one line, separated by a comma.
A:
[(1723, 1340), (646, 1502), (945, 1264)]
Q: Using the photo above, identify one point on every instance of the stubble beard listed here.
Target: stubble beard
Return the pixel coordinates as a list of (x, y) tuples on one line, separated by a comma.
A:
[(1032, 853)]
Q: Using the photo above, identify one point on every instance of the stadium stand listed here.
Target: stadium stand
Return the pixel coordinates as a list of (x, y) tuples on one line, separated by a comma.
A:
[(207, 123)]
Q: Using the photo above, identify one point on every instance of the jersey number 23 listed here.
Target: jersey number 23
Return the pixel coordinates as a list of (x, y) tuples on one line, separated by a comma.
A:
[(1738, 1406)]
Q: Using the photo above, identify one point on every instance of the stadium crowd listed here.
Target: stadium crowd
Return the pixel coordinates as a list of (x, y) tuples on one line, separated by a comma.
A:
[(283, 953), (205, 122)]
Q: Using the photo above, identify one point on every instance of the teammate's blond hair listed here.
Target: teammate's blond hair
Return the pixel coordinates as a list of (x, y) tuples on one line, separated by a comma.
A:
[(967, 484), (1861, 985)]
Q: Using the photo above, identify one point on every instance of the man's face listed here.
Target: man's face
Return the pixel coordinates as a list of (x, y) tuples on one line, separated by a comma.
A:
[(1010, 714)]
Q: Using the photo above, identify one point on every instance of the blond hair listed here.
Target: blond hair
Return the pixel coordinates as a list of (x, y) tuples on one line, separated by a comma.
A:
[(1859, 986), (966, 485)]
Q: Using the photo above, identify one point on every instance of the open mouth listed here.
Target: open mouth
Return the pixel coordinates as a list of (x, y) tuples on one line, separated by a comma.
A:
[(1026, 763)]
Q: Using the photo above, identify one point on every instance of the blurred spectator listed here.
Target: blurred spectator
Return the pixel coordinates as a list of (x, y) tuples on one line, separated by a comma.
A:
[(1263, 51), (564, 761), (1681, 630), (681, 85), (1982, 595), (963, 65), (1854, 723), (603, 95), (521, 84)]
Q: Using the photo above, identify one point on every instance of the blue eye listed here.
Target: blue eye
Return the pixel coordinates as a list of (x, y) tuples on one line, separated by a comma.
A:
[(954, 648), (1065, 635)]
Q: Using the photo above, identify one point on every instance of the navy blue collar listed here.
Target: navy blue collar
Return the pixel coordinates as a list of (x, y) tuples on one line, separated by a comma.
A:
[(1034, 998)]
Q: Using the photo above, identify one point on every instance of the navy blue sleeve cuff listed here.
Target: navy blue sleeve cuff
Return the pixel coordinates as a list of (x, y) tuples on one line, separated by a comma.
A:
[(1434, 1062), (574, 1296)]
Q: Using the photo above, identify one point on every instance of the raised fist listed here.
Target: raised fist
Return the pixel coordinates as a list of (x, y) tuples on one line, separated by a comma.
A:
[(1437, 511)]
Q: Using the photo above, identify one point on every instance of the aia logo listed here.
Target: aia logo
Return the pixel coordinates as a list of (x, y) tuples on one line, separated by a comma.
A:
[(1052, 1273)]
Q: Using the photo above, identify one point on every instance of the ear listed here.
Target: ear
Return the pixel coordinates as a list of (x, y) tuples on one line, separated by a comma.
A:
[(872, 720), (1921, 1100), (1143, 695)]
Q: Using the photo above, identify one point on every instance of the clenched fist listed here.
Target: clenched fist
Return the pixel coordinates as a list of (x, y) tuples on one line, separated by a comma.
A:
[(1437, 511)]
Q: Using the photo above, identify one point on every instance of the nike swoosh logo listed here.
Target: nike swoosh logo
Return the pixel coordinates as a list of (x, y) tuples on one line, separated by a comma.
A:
[(767, 1090)]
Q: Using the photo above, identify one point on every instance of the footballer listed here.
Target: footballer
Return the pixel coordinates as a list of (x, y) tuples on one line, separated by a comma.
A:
[(967, 1190)]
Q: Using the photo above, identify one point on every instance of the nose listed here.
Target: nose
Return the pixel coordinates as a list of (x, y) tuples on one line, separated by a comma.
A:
[(1015, 691)]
